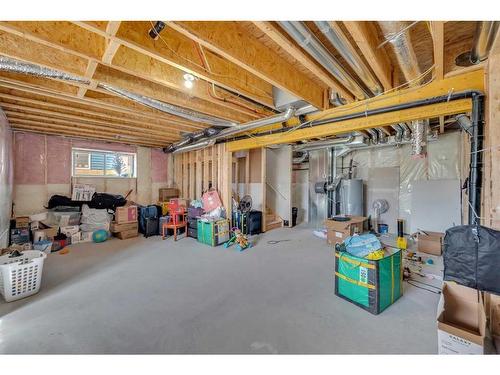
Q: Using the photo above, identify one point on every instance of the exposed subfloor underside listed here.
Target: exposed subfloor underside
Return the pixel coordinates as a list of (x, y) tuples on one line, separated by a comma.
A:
[(153, 296)]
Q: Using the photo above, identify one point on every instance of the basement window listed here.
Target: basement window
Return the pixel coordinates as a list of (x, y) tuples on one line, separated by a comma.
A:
[(100, 163)]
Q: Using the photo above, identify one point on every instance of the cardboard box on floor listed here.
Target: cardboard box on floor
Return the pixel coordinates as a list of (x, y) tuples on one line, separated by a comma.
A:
[(338, 231), (115, 227), (493, 311), (430, 242), (461, 320), (126, 214)]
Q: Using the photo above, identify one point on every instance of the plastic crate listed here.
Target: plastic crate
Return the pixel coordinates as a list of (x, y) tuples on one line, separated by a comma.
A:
[(21, 276), (213, 233)]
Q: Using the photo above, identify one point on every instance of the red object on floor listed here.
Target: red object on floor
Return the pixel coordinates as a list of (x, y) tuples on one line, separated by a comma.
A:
[(176, 220)]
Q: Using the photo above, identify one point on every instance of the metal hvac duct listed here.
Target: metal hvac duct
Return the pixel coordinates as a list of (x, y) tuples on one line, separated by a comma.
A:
[(302, 158), (281, 117), (406, 131), (382, 137), (16, 66), (398, 35), (399, 132), (195, 146), (322, 144), (486, 32), (303, 36), (336, 37), (373, 136), (168, 108)]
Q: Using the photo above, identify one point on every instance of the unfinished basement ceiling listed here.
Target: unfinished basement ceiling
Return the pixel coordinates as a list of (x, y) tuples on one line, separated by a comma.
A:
[(235, 66)]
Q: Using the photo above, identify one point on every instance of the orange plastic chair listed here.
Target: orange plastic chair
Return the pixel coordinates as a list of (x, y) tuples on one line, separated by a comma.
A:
[(176, 220)]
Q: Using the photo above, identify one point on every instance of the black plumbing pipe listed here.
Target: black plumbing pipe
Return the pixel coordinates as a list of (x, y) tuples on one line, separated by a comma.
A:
[(475, 168), (397, 107)]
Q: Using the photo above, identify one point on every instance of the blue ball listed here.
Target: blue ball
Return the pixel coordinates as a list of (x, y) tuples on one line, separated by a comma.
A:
[(100, 235)]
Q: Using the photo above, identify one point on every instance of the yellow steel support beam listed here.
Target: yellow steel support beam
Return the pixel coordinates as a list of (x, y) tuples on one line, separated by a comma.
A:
[(429, 111), (471, 80)]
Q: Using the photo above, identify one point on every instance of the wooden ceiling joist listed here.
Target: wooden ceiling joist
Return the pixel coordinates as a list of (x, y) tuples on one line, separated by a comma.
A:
[(437, 31), (228, 40), (86, 113), (179, 52), (72, 125), (278, 37), (366, 39), (83, 135), (37, 114), (130, 66), (112, 104)]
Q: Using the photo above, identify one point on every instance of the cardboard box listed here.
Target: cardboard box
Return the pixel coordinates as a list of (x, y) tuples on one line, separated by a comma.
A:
[(70, 230), (22, 222), (461, 320), (127, 234), (338, 231), (165, 194), (126, 214), (430, 242), (115, 227), (50, 232)]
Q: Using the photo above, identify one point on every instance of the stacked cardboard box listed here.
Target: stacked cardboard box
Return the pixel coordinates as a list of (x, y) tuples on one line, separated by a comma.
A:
[(125, 230)]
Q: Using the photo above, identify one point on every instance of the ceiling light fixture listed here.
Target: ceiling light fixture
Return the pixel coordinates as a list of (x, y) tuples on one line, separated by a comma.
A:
[(155, 31), (188, 80)]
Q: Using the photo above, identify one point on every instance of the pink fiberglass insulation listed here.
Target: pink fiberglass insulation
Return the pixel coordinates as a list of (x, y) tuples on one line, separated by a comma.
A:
[(158, 165), (58, 160), (95, 145), (29, 159)]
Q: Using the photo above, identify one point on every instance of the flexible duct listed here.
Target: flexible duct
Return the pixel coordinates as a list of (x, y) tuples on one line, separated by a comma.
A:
[(373, 136), (303, 36), (382, 137), (398, 35), (336, 37), (406, 131), (195, 146), (486, 32), (417, 138), (281, 117), (399, 132), (16, 66), (168, 108), (300, 159)]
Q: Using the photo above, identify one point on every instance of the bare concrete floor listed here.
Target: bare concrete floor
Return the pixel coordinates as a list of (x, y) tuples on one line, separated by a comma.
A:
[(153, 296)]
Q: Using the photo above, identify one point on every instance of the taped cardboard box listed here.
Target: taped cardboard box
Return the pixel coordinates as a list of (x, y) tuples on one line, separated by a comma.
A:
[(430, 242), (126, 214), (22, 222), (165, 194), (123, 235), (115, 227), (461, 320), (338, 231)]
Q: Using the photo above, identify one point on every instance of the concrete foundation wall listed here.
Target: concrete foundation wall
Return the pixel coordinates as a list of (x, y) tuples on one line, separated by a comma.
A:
[(42, 166)]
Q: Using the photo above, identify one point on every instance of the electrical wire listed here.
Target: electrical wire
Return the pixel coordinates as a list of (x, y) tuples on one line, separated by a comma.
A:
[(420, 287), (206, 70)]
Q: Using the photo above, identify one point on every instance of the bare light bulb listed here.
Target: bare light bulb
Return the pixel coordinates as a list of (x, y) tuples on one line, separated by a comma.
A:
[(188, 80)]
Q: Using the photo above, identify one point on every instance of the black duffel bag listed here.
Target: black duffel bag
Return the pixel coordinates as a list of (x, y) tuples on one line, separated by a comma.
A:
[(61, 200), (107, 201), (471, 256)]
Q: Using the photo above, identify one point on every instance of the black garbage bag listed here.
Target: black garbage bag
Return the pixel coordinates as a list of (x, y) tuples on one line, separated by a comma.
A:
[(471, 256), (107, 201), (61, 200)]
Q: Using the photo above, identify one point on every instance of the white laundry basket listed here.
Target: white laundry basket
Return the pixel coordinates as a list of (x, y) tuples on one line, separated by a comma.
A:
[(21, 276)]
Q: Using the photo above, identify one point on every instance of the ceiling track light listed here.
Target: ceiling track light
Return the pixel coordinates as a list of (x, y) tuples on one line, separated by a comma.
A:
[(155, 31)]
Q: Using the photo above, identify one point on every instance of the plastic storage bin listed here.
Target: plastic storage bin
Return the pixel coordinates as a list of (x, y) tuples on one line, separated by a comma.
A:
[(213, 233), (21, 276)]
